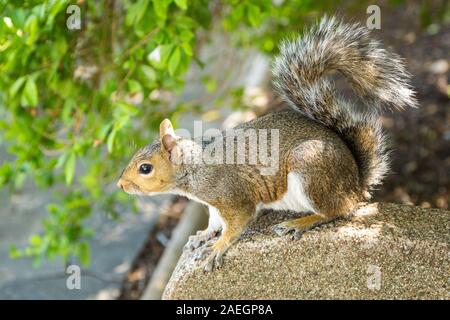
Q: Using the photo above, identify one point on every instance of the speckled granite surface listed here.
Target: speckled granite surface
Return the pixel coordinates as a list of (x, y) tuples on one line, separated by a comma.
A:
[(386, 251)]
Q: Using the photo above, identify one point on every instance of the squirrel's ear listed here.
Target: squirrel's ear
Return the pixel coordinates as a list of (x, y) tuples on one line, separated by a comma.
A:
[(166, 128), (169, 144)]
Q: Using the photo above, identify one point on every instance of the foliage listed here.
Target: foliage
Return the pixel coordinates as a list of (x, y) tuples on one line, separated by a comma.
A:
[(75, 104)]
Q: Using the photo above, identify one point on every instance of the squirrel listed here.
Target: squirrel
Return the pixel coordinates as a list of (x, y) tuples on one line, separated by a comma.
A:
[(331, 155)]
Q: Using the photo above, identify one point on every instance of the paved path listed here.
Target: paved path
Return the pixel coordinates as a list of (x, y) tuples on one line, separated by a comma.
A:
[(113, 248)]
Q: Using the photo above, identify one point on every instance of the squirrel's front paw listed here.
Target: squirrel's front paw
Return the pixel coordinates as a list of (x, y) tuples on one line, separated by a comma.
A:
[(214, 260), (215, 256), (201, 238)]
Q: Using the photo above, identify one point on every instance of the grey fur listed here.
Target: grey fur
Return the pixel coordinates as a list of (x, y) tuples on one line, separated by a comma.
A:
[(377, 76)]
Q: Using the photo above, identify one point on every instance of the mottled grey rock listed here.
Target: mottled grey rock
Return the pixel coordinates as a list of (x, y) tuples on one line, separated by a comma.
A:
[(386, 251)]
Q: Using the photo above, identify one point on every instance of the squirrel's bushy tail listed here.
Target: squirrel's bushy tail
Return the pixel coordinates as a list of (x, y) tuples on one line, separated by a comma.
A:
[(378, 77)]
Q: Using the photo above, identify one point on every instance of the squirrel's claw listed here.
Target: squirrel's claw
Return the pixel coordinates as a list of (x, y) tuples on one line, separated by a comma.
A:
[(215, 257), (214, 260), (193, 243), (298, 226), (283, 229), (199, 239)]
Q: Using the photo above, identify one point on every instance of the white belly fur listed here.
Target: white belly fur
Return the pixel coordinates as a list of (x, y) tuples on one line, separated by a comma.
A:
[(215, 222), (294, 199)]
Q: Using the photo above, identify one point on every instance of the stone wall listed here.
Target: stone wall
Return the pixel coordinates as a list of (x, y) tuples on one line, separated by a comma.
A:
[(386, 251)]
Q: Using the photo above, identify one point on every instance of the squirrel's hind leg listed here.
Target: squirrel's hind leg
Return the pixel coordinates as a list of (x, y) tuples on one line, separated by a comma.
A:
[(328, 211), (298, 226)]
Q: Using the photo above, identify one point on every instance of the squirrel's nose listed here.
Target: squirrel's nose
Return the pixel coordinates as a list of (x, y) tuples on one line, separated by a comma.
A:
[(119, 184)]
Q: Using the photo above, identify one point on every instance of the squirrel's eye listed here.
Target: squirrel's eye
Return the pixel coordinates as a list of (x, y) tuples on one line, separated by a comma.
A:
[(145, 168)]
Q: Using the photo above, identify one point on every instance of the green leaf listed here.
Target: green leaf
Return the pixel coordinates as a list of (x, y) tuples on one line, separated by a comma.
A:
[(31, 28), (148, 74), (182, 4), (68, 106), (253, 15), (35, 240), (160, 7), (165, 53), (110, 141), (104, 131), (14, 253), (61, 160), (134, 86), (69, 169), (136, 12), (84, 253), (187, 49), (19, 180), (210, 84), (127, 109), (174, 61), (16, 86), (54, 7), (30, 93), (235, 17)]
